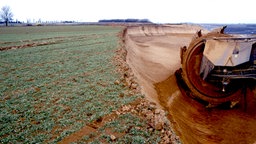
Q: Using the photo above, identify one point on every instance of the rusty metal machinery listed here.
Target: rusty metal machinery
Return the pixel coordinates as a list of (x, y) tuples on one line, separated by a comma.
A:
[(216, 65)]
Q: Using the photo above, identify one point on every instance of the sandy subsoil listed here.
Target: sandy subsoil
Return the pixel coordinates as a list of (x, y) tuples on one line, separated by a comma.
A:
[(153, 54)]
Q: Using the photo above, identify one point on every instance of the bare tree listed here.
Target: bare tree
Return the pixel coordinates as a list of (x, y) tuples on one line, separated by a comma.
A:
[(6, 14)]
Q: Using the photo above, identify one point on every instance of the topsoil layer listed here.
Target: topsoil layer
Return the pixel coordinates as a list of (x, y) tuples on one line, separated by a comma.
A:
[(153, 54)]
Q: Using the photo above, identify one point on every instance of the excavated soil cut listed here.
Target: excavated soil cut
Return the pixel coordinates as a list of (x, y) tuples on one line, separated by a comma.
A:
[(153, 54)]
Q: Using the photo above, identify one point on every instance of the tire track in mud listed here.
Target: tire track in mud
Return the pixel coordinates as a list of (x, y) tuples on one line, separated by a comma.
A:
[(153, 59)]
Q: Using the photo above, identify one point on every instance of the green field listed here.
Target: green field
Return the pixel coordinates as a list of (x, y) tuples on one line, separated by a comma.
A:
[(55, 80)]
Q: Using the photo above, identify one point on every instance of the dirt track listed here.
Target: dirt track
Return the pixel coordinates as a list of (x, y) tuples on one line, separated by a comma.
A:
[(153, 55)]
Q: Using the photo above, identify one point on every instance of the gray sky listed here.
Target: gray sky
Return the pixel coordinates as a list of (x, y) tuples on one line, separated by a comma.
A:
[(159, 11)]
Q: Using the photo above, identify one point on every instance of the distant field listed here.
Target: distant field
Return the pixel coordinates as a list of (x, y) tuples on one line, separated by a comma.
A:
[(55, 80)]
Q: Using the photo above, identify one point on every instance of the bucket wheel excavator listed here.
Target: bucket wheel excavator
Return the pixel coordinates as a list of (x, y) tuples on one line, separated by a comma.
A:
[(216, 66)]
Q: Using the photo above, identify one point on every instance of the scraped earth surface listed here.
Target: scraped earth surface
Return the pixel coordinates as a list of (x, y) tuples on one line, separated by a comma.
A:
[(153, 54)]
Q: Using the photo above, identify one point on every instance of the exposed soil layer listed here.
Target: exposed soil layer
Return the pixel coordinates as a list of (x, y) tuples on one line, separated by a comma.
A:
[(153, 54)]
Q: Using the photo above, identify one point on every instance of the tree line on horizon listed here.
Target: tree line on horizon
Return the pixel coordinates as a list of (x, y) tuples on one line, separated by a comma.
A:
[(6, 16), (125, 21)]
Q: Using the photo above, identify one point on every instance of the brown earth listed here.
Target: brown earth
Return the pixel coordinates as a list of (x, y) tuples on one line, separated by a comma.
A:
[(153, 55)]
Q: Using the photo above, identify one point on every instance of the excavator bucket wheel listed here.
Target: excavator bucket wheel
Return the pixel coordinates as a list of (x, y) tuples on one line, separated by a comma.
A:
[(210, 89)]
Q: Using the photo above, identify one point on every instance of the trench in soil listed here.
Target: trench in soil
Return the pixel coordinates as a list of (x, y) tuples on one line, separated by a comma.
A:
[(153, 53)]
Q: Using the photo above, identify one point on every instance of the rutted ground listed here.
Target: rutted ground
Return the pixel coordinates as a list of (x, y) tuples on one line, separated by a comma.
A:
[(153, 55)]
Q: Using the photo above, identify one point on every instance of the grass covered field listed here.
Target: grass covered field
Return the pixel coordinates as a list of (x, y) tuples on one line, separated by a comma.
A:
[(59, 81)]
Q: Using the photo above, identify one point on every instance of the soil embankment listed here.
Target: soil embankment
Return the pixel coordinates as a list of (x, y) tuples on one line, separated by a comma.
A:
[(153, 54)]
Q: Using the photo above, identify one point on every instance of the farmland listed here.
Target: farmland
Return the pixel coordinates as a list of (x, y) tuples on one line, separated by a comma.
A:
[(61, 83)]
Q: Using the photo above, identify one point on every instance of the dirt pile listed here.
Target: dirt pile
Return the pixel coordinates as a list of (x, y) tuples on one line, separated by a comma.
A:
[(153, 54), (155, 116)]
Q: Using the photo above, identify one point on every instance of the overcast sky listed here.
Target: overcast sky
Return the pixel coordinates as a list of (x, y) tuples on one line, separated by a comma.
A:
[(158, 11)]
